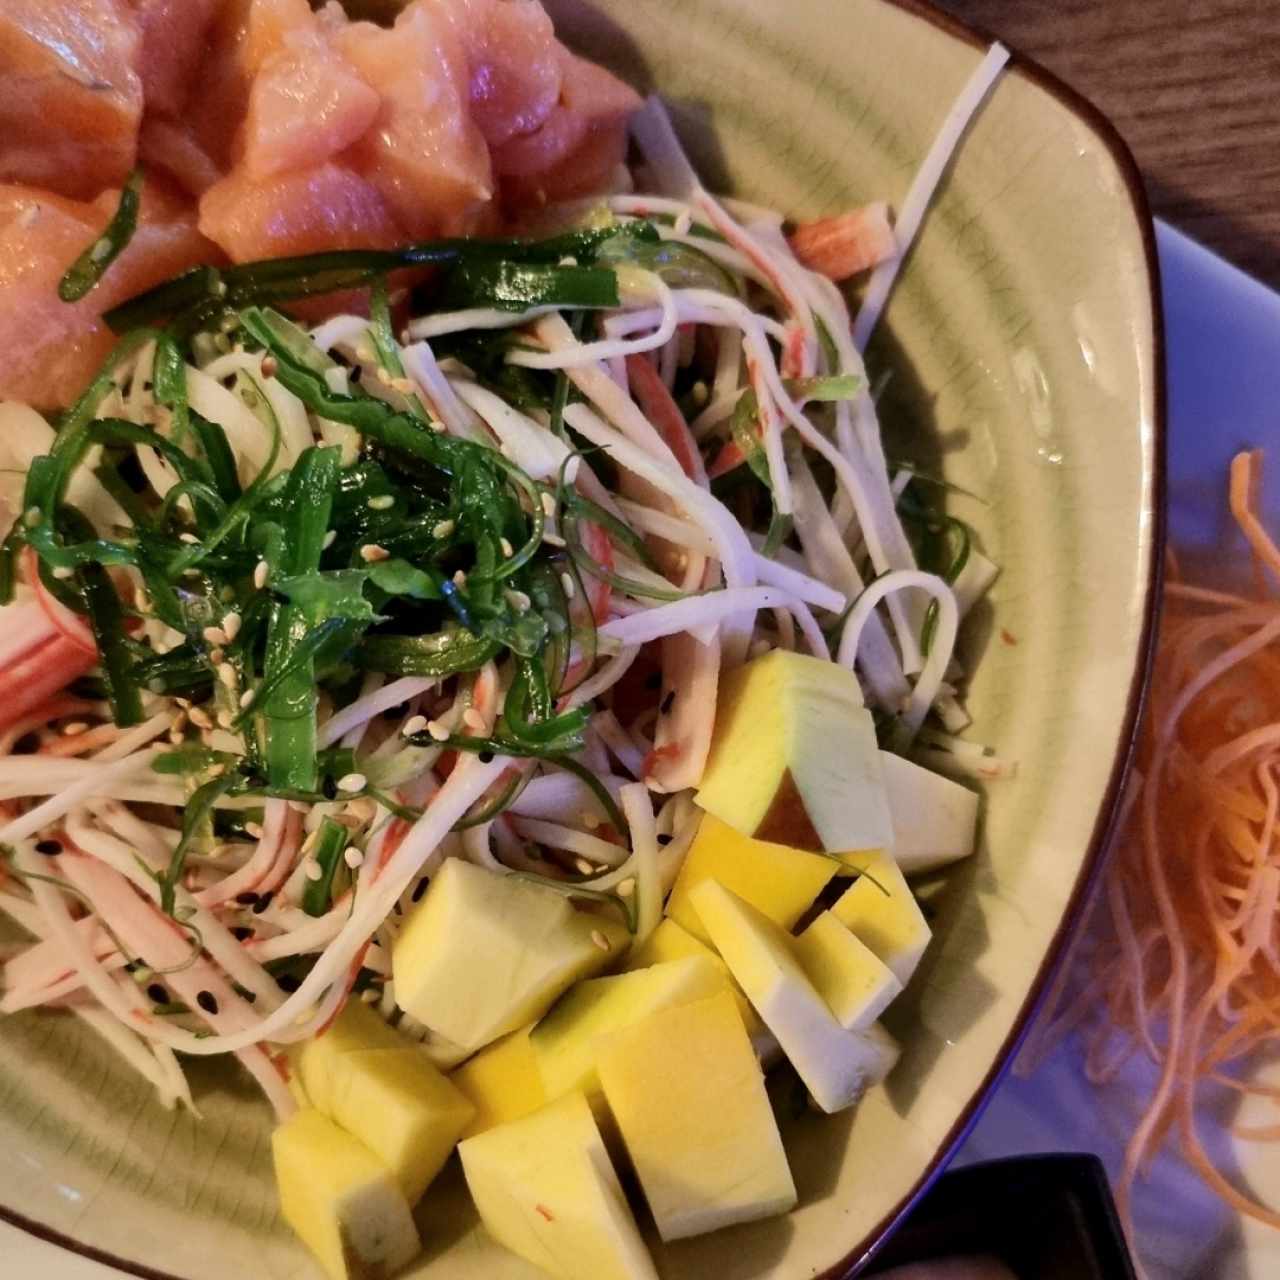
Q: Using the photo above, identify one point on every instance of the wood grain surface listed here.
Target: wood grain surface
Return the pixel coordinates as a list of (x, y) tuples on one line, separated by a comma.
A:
[(1194, 88)]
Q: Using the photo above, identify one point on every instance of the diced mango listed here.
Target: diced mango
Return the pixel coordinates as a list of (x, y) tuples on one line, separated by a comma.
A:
[(794, 758), (672, 941), (857, 986), (394, 1100), (934, 819), (484, 953), (546, 1190), (502, 1082), (341, 1200), (689, 1099), (567, 1043), (881, 909), (780, 881), (836, 1065)]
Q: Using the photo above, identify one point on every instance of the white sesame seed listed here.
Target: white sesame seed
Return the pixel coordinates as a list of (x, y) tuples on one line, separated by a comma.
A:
[(62, 573), (227, 674), (600, 940), (311, 869), (584, 867), (361, 810), (353, 782), (437, 731), (382, 502), (590, 821), (437, 426), (101, 248), (225, 719), (189, 538), (246, 698), (415, 724), (329, 539), (352, 857), (626, 888), (443, 529), (370, 995), (548, 504), (371, 552), (460, 578), (200, 718), (260, 574), (254, 829), (310, 842), (518, 600), (507, 549), (701, 393), (568, 585), (473, 719), (269, 366), (74, 729)]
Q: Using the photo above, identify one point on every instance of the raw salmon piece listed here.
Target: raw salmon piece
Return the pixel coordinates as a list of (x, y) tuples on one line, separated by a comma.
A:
[(513, 62), (49, 349), (306, 104), (171, 148), (70, 95), (174, 38), (581, 144), (424, 152), (306, 210)]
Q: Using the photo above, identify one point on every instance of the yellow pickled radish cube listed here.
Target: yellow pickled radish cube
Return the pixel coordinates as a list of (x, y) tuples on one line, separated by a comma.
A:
[(836, 1065), (502, 1082), (357, 1027), (781, 881), (545, 1188), (485, 953), (856, 984), (689, 1100), (672, 941), (341, 1200), (794, 757), (881, 909), (567, 1043)]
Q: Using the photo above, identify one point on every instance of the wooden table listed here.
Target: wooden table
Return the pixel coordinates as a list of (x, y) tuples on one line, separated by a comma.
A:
[(1193, 86)]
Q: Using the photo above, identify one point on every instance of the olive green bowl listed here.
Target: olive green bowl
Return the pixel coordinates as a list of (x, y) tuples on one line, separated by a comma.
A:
[(1023, 340)]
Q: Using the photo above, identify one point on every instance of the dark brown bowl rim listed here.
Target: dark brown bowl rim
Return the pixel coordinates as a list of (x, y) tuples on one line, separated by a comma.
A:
[(1108, 812)]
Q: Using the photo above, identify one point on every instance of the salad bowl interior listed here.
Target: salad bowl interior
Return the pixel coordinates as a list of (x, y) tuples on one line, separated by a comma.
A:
[(1020, 359)]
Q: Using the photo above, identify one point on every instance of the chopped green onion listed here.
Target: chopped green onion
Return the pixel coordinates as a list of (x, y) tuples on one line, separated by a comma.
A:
[(89, 267)]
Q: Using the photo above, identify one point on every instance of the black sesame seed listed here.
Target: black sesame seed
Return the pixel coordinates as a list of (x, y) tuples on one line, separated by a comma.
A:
[(242, 933), (26, 745), (288, 982), (665, 706), (50, 848), (206, 1000), (653, 680), (157, 993), (486, 757), (664, 839), (420, 888), (262, 903), (246, 899)]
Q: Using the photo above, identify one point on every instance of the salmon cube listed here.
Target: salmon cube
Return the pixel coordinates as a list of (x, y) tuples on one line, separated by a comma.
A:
[(174, 38), (70, 94)]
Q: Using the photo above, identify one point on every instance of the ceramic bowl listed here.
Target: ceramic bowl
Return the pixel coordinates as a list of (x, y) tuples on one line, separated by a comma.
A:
[(1023, 346)]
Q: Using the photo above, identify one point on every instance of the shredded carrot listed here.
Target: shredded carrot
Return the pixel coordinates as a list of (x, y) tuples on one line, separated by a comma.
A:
[(1182, 959)]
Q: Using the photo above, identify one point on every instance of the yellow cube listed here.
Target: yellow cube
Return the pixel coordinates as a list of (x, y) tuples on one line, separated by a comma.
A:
[(341, 1200), (502, 1082), (484, 953), (672, 941), (781, 881), (689, 1099), (546, 1190), (881, 909), (857, 986), (836, 1065), (567, 1043)]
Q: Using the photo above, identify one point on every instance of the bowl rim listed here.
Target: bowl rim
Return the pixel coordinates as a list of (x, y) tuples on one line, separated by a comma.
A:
[(1110, 808), (863, 1253)]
